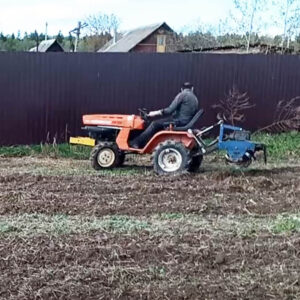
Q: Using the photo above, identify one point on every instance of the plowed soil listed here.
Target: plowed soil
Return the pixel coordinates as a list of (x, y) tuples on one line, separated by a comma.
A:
[(168, 256)]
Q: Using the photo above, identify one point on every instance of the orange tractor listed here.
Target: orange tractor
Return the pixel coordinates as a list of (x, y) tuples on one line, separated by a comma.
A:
[(174, 149)]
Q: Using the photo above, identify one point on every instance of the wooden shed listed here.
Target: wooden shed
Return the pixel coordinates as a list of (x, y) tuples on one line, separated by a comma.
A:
[(48, 46)]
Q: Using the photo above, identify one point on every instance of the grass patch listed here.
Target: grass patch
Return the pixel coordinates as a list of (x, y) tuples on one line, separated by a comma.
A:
[(124, 223), (287, 224), (281, 146), (60, 224), (47, 150), (7, 228), (171, 216), (156, 225)]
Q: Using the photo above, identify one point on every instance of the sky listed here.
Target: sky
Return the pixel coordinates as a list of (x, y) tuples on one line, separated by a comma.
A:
[(31, 15)]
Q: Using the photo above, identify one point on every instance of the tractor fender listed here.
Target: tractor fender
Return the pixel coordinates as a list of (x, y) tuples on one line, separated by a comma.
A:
[(181, 136)]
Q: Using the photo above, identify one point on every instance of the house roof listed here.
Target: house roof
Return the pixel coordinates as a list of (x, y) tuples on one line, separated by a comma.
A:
[(110, 42), (241, 49), (132, 38), (45, 45)]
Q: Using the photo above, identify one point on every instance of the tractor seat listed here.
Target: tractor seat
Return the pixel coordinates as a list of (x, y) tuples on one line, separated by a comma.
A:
[(191, 123)]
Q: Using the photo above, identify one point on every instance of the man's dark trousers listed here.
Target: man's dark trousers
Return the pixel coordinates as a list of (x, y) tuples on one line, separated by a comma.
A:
[(153, 128)]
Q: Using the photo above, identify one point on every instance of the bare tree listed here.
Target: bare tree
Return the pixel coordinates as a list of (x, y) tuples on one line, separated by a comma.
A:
[(224, 26), (101, 24), (289, 19), (247, 16), (230, 108), (287, 117)]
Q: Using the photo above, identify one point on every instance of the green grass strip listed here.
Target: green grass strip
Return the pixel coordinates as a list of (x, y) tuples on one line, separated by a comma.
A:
[(162, 224), (47, 150), (279, 146)]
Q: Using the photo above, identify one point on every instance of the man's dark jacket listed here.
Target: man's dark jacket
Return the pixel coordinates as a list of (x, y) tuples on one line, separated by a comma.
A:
[(183, 107)]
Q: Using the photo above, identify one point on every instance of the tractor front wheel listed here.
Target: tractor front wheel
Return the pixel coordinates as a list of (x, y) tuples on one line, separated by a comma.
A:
[(106, 156), (171, 157)]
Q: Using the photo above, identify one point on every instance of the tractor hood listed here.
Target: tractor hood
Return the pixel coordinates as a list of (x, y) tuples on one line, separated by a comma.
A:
[(121, 121)]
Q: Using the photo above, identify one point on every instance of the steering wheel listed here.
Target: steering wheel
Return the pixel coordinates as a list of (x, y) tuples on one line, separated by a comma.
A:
[(143, 113)]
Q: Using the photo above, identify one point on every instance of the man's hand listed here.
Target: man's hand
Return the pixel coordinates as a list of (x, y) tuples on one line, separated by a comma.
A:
[(155, 113)]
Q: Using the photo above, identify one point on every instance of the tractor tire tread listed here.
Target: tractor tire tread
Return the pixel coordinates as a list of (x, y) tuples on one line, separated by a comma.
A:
[(195, 163), (120, 155), (179, 146)]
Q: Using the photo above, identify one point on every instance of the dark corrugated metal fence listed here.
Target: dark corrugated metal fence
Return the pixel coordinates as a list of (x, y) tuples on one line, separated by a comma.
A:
[(43, 95)]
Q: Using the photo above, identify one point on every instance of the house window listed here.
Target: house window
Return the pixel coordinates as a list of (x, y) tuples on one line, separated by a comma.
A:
[(161, 43)]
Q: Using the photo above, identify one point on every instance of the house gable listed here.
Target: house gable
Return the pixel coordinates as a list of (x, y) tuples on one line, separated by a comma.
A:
[(132, 39)]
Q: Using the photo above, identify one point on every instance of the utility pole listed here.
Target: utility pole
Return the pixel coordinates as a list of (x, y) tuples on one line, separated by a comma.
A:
[(46, 33), (77, 33), (37, 41)]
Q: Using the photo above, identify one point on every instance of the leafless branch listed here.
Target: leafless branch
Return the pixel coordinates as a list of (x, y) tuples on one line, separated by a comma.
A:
[(287, 117), (103, 24), (230, 108)]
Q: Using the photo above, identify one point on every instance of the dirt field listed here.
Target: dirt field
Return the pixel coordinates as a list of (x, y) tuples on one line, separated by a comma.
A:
[(67, 232)]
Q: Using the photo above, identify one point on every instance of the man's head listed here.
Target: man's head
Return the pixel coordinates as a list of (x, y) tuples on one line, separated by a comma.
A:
[(187, 86)]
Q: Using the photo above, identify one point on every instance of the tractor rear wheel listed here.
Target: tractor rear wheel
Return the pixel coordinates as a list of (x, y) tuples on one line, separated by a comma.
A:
[(171, 157), (195, 163), (106, 155)]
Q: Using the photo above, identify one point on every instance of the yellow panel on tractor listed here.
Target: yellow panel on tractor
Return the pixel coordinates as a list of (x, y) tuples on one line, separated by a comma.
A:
[(83, 141)]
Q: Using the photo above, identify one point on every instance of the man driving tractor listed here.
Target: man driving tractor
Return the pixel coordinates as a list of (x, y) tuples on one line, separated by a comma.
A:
[(175, 145), (180, 112)]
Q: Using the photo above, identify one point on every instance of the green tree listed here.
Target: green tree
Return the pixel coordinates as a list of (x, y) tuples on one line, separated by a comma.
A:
[(60, 37), (11, 43)]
